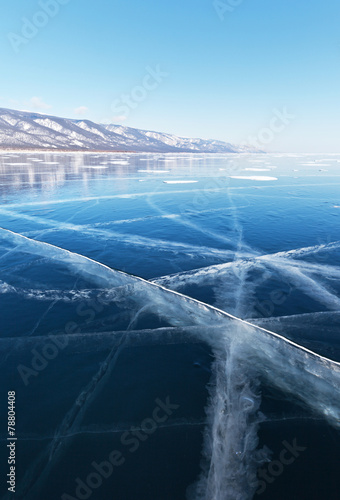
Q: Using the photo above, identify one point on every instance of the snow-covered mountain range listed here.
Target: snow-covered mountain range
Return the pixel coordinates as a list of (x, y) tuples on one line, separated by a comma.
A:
[(26, 130)]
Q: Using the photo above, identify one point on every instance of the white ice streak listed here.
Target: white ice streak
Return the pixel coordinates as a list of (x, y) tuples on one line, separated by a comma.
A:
[(177, 308), (230, 450), (243, 353), (311, 250), (178, 280), (306, 284), (52, 295), (85, 199), (6, 288), (132, 239), (234, 293), (305, 322), (185, 221), (136, 219), (164, 215)]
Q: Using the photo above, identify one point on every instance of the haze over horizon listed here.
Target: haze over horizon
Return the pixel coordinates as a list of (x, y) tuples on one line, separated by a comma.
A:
[(230, 70)]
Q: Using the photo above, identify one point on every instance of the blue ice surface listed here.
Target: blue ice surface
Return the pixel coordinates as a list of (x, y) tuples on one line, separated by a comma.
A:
[(266, 251)]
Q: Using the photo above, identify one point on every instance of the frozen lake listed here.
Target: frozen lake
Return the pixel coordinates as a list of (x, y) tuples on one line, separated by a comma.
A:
[(171, 325)]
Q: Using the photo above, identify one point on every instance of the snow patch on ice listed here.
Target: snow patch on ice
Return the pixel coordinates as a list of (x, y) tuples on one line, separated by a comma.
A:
[(257, 169), (180, 182), (254, 177), (153, 171)]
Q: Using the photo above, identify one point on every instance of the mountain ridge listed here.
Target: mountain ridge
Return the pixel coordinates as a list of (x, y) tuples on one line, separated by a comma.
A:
[(30, 130)]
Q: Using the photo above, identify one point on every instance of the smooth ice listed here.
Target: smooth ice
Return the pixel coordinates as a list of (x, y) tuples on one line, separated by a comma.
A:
[(243, 354), (235, 265)]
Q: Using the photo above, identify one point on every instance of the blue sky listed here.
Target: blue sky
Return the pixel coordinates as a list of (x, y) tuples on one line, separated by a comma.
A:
[(222, 69)]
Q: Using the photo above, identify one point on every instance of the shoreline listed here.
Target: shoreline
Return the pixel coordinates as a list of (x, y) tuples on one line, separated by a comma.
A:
[(110, 151), (34, 150)]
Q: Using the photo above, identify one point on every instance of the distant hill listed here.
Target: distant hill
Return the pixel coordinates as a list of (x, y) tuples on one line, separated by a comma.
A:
[(26, 130)]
